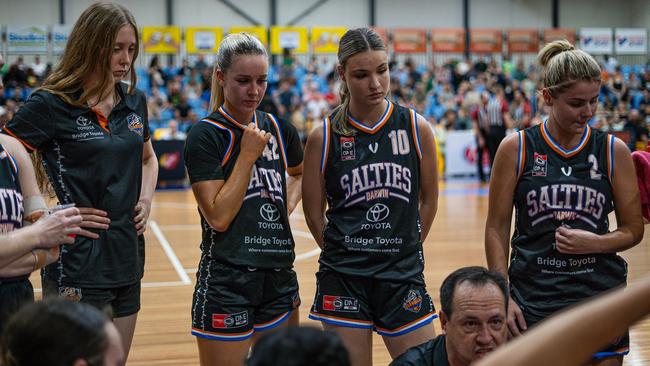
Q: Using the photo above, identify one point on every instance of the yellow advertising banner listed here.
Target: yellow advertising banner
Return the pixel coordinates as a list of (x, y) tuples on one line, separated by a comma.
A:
[(293, 38), (165, 39), (203, 39), (258, 32), (326, 39)]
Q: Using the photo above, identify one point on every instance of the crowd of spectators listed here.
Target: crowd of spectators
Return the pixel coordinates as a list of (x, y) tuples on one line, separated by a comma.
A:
[(446, 94)]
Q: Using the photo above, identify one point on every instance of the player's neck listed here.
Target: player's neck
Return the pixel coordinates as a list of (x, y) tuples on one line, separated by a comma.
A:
[(106, 96), (368, 115), (243, 118), (565, 138)]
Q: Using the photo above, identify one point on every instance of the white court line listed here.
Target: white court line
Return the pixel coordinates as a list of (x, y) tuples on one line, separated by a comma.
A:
[(309, 254), (185, 279)]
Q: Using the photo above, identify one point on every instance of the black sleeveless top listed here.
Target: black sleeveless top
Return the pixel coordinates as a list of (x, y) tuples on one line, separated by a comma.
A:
[(561, 187), (259, 236), (372, 183), (11, 198)]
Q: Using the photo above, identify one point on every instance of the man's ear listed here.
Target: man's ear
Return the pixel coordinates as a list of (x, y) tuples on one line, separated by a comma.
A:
[(443, 320)]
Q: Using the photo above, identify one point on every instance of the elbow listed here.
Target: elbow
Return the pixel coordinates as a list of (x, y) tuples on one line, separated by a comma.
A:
[(219, 225), (638, 234)]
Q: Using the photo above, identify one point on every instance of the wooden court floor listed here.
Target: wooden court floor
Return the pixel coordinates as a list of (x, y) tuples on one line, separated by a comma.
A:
[(162, 334)]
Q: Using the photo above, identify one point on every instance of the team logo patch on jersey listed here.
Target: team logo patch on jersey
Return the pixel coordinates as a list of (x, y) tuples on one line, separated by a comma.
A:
[(224, 321), (135, 123), (70, 293), (539, 165), (413, 301), (347, 148), (340, 303)]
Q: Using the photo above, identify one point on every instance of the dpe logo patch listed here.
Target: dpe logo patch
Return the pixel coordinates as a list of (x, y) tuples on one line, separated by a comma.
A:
[(223, 321), (340, 303), (539, 165), (347, 148)]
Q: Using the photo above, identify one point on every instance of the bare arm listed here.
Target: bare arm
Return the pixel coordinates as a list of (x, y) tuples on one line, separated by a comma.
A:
[(16, 246), (294, 187), (503, 181), (428, 177), (502, 186), (627, 204), (313, 186), (219, 200), (564, 340), (149, 179)]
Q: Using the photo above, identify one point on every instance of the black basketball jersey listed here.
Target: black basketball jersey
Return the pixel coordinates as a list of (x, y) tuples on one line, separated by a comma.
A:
[(372, 183), (11, 198), (259, 235), (561, 187)]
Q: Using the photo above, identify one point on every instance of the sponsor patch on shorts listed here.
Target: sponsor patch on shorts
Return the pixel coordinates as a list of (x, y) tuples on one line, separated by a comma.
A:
[(340, 303), (413, 301), (225, 321), (70, 293), (295, 300)]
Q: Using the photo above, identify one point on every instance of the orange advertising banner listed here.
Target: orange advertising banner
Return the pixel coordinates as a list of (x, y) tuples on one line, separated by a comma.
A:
[(554, 34), (383, 33), (409, 40), (486, 40), (448, 40), (523, 40)]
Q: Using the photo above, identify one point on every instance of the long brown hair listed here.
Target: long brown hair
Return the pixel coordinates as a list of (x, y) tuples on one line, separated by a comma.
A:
[(353, 41), (233, 45), (88, 52)]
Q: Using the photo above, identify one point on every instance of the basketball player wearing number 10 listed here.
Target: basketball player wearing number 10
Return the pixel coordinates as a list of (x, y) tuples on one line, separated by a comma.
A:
[(372, 165)]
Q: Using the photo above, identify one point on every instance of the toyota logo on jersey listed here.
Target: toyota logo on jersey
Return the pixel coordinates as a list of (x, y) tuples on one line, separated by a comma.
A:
[(378, 212), (269, 212)]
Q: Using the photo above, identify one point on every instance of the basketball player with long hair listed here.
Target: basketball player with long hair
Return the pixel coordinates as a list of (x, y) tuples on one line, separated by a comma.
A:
[(370, 194), (91, 134)]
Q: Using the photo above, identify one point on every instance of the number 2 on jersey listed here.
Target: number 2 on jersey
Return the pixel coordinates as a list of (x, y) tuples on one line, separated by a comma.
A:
[(271, 153)]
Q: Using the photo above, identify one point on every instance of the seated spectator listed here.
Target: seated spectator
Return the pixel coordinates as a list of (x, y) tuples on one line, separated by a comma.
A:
[(473, 318), (299, 346), (637, 130), (61, 333), (171, 132)]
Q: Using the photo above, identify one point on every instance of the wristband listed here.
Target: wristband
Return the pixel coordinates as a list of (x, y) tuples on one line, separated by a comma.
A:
[(35, 208)]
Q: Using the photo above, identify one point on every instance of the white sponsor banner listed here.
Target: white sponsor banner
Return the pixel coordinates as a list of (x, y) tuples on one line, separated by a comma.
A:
[(28, 39), (631, 41), (597, 41), (460, 153), (60, 35)]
